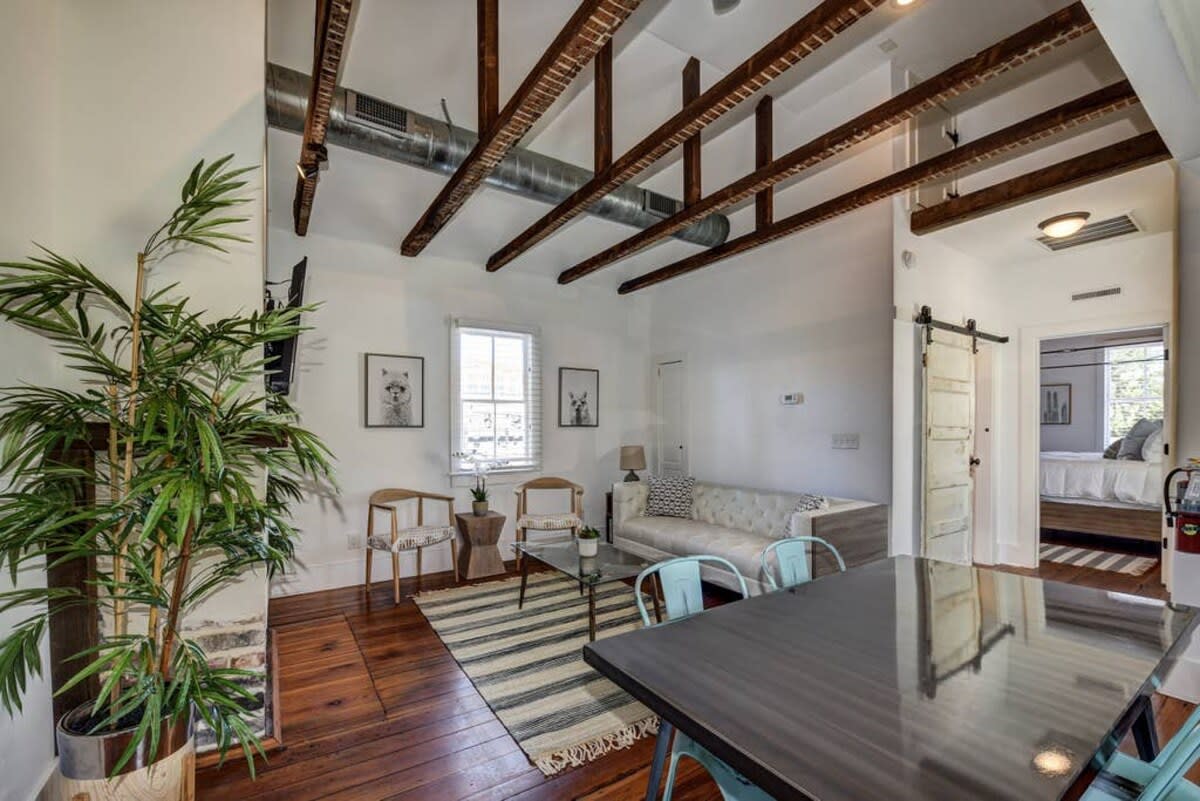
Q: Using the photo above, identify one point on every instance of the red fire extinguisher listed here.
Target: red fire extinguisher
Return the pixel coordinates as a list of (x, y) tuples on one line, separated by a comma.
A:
[(1183, 511)]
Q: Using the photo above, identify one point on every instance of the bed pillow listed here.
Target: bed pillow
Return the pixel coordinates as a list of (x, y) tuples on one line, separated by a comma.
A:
[(1112, 450), (670, 496), (1152, 450), (1131, 445)]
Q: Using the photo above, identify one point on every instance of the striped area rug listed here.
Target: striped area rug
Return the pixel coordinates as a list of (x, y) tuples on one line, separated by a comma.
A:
[(528, 664), (1099, 560)]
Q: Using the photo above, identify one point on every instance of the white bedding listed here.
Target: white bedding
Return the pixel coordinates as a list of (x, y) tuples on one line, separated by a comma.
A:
[(1091, 477)]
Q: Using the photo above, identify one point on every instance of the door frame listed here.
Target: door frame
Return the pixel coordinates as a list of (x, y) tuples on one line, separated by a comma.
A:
[(685, 407), (1025, 551)]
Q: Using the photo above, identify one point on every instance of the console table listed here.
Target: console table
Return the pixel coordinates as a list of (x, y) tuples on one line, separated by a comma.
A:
[(480, 557)]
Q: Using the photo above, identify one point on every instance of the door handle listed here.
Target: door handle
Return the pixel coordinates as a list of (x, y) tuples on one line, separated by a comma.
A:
[(975, 461)]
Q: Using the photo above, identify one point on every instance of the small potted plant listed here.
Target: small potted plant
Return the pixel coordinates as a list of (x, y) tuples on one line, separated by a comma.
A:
[(479, 498), (589, 541)]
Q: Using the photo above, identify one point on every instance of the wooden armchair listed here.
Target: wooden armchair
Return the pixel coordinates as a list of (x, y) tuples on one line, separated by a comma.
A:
[(564, 521), (412, 538)]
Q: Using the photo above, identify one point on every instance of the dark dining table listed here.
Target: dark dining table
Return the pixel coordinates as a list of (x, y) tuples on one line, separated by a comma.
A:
[(907, 679)]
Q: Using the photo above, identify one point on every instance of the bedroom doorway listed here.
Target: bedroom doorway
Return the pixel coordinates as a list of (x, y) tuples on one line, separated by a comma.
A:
[(1103, 404)]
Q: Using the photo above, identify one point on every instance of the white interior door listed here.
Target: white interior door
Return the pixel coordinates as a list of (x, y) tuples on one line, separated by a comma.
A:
[(672, 419), (982, 536), (949, 400)]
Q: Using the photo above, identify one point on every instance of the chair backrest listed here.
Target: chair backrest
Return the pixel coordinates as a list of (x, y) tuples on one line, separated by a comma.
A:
[(791, 556), (679, 578), (1181, 753), (550, 483), (383, 498)]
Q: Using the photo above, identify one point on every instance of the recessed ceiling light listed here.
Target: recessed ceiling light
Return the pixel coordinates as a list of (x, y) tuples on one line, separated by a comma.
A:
[(1064, 224), (903, 3)]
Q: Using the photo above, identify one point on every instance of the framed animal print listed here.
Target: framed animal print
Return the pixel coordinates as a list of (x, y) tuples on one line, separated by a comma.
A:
[(394, 392), (578, 397)]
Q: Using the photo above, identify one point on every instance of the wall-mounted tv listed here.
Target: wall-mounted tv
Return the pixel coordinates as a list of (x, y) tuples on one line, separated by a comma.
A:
[(281, 356)]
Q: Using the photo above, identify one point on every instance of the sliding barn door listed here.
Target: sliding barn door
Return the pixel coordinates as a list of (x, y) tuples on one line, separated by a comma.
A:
[(949, 400)]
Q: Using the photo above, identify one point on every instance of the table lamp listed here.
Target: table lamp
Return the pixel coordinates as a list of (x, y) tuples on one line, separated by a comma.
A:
[(633, 457)]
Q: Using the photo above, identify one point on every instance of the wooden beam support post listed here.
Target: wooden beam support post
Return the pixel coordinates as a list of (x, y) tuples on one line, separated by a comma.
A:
[(1106, 162), (1069, 115), (1041, 37), (764, 147), (332, 25), (602, 91), (592, 24), (803, 38), (487, 28), (691, 145)]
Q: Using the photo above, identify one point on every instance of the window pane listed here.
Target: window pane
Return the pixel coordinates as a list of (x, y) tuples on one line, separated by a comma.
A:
[(510, 368), (1135, 385), (475, 370), (512, 440), (479, 428)]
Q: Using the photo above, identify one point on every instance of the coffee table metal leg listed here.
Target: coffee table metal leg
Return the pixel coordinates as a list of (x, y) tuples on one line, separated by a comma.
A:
[(524, 581), (661, 745), (1145, 733), (591, 612)]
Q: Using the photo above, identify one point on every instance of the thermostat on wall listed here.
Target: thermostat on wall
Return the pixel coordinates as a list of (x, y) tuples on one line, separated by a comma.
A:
[(791, 399)]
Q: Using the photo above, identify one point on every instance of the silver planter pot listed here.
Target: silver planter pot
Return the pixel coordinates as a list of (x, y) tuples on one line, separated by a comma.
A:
[(93, 756)]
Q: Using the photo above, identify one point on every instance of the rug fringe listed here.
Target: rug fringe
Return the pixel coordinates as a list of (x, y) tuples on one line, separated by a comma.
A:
[(583, 753)]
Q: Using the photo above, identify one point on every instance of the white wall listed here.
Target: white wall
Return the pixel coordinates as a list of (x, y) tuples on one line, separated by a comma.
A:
[(1085, 432), (27, 35), (376, 301)]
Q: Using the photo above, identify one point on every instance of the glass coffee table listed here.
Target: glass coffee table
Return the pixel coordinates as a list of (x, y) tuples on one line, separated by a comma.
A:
[(608, 565)]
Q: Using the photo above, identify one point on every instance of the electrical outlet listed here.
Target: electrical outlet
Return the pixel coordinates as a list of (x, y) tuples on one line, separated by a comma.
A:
[(791, 399), (355, 541), (845, 442)]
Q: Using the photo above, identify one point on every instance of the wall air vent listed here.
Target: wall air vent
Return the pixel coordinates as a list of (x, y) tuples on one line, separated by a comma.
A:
[(661, 205), (1096, 293), (1092, 232), (375, 112)]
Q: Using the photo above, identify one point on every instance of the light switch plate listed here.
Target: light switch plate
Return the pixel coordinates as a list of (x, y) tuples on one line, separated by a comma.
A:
[(355, 541), (845, 442)]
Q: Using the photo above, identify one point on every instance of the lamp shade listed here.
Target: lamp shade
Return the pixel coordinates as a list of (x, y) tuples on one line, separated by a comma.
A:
[(633, 457)]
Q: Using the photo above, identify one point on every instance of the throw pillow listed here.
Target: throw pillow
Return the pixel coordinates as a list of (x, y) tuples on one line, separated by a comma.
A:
[(1112, 450), (1131, 445), (810, 503), (670, 496), (1152, 451)]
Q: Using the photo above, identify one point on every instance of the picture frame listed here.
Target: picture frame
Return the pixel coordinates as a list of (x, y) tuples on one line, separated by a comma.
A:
[(1056, 404), (578, 397), (393, 391)]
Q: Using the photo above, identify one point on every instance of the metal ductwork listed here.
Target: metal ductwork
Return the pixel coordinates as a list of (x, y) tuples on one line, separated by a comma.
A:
[(374, 126)]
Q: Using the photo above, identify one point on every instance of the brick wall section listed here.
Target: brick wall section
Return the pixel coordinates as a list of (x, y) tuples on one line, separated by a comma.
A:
[(576, 44), (802, 39), (239, 644)]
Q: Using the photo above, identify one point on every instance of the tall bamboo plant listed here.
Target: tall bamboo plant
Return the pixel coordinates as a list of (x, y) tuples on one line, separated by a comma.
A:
[(191, 437)]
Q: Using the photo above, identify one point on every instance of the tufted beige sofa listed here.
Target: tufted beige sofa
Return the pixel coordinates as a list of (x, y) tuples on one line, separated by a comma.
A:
[(737, 523)]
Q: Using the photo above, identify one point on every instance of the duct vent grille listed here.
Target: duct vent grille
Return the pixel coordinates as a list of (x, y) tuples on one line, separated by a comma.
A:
[(1092, 232), (375, 112), (1097, 293), (661, 205)]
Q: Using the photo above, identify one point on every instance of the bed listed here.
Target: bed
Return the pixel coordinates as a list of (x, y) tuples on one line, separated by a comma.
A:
[(1087, 493)]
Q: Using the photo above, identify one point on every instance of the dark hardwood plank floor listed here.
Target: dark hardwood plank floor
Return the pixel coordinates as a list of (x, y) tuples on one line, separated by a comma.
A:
[(373, 707)]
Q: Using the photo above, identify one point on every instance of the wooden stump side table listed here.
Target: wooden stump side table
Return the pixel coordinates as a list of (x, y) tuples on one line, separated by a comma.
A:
[(480, 556)]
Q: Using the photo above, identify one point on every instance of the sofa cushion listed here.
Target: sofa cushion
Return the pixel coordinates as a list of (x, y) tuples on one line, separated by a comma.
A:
[(691, 538), (767, 514), (670, 496)]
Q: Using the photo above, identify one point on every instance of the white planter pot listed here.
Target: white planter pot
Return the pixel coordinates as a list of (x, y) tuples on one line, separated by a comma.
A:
[(589, 547)]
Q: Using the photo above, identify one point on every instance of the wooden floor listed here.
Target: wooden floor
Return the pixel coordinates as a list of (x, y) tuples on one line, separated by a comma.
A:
[(374, 707)]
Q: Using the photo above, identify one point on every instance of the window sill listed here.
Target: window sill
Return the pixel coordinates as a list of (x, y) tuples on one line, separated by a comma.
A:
[(499, 478)]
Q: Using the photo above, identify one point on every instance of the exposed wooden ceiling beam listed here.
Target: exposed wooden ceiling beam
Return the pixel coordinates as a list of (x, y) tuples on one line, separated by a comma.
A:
[(592, 24), (332, 23), (804, 37), (1061, 118), (602, 90), (691, 145), (487, 29), (764, 144), (1039, 38), (1138, 151)]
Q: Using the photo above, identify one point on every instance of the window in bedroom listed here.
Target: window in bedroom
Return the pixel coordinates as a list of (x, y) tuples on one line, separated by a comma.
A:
[(496, 387), (1133, 387)]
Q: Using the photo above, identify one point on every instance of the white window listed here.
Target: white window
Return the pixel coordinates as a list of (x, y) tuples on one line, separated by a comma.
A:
[(496, 386), (1133, 387)]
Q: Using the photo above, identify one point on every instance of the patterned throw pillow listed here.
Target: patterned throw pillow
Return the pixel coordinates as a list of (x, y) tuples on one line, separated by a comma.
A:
[(810, 503), (670, 496), (1112, 450)]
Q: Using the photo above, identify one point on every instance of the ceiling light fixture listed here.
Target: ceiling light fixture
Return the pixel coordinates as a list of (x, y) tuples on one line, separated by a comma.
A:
[(725, 6), (903, 3), (1064, 224)]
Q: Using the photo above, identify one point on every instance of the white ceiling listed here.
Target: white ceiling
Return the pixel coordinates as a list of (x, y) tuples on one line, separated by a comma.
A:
[(416, 52)]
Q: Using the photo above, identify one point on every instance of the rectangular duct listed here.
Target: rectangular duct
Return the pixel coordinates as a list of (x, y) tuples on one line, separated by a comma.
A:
[(375, 112), (1092, 232)]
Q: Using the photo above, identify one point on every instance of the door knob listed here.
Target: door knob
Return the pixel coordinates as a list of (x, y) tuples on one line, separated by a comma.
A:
[(975, 461)]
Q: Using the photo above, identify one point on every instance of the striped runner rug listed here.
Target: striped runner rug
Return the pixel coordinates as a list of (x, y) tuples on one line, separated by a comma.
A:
[(528, 664), (1099, 560)]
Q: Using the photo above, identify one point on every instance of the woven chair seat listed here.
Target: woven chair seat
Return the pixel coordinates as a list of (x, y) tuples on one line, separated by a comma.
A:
[(559, 522), (411, 538)]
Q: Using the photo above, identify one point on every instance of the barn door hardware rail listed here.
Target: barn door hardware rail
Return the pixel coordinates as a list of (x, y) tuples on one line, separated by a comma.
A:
[(925, 318)]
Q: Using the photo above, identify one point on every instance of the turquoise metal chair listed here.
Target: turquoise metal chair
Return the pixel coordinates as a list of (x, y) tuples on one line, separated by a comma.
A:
[(683, 596), (1124, 778), (791, 555)]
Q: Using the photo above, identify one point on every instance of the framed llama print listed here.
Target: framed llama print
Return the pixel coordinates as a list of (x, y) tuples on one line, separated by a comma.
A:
[(394, 391), (1056, 404), (578, 397)]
